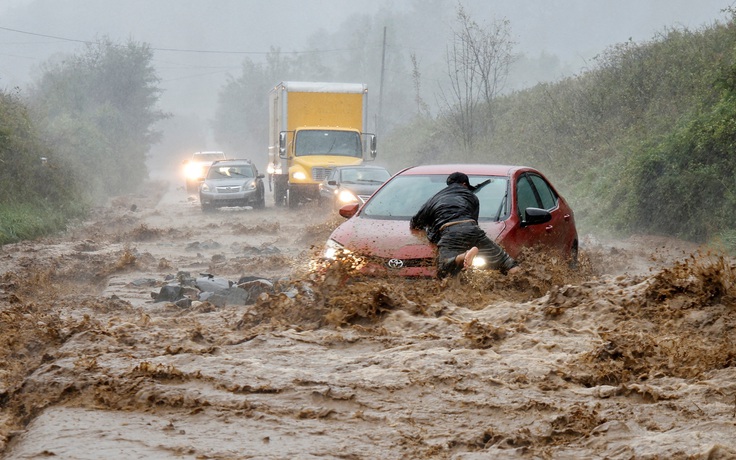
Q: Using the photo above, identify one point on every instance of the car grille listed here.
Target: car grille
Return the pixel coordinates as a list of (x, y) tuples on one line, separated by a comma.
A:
[(396, 264), (320, 174), (234, 189)]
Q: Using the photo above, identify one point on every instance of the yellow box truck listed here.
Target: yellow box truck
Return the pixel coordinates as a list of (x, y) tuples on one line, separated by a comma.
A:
[(314, 127)]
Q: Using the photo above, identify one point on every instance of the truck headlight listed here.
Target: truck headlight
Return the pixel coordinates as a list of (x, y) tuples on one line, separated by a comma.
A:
[(299, 175)]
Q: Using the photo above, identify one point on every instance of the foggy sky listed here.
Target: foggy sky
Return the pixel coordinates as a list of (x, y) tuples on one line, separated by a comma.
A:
[(208, 40)]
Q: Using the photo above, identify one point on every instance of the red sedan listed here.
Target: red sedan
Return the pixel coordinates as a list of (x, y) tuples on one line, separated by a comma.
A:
[(519, 208)]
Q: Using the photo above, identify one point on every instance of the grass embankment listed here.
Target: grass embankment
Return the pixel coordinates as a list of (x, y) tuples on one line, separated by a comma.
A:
[(28, 221), (642, 142)]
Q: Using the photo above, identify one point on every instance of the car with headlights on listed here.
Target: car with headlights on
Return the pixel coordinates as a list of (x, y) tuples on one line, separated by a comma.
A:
[(232, 183), (195, 168), (519, 208), (351, 184)]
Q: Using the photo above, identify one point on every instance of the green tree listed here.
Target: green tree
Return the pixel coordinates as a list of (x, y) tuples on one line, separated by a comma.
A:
[(241, 117), (99, 109), (38, 195)]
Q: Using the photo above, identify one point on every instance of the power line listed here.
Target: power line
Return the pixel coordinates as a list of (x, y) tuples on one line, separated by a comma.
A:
[(181, 50)]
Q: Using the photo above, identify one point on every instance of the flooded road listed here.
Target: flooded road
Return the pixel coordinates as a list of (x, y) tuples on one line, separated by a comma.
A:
[(631, 356)]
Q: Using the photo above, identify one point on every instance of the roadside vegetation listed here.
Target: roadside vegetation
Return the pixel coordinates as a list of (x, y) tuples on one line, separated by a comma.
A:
[(78, 136), (641, 142), (36, 197), (644, 141)]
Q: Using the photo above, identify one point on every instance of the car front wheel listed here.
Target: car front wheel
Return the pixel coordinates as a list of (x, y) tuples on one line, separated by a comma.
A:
[(260, 202)]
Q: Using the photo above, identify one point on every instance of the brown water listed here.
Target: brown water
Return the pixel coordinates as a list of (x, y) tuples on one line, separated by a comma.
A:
[(630, 356)]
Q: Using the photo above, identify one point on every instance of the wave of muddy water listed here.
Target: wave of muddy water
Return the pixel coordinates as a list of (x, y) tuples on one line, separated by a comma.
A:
[(631, 356)]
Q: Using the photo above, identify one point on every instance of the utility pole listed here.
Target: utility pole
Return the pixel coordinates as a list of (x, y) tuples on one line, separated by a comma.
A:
[(379, 122)]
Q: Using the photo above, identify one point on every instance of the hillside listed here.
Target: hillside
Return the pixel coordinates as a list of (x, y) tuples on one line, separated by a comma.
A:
[(639, 143)]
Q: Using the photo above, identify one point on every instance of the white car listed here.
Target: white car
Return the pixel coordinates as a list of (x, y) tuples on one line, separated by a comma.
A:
[(196, 167)]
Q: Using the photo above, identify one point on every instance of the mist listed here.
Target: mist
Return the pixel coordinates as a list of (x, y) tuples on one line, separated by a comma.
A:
[(200, 45)]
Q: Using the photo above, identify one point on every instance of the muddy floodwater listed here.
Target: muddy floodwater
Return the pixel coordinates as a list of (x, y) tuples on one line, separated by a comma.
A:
[(631, 356)]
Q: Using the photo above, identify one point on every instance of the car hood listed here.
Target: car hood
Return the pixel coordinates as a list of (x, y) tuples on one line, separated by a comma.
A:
[(229, 182), (391, 238)]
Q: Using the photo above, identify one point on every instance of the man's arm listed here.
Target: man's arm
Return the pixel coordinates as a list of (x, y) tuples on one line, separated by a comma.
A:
[(419, 220)]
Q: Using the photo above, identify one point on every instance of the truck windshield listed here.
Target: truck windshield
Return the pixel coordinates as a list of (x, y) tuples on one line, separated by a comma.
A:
[(326, 142)]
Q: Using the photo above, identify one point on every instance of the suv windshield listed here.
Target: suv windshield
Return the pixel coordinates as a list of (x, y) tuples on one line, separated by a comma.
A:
[(402, 196), (227, 171)]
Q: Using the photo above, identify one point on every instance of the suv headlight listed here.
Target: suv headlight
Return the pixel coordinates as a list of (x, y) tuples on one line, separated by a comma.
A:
[(204, 187)]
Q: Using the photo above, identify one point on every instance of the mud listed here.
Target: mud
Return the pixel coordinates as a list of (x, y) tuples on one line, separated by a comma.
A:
[(631, 355)]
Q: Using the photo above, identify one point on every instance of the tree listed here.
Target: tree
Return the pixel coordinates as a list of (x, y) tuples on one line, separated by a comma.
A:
[(99, 109), (241, 118), (478, 62)]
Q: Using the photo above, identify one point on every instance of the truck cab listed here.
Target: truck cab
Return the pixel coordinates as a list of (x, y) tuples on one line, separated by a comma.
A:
[(315, 127)]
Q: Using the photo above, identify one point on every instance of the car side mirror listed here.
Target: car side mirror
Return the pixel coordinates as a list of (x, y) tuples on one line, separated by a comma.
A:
[(535, 216), (331, 182), (260, 176), (349, 210)]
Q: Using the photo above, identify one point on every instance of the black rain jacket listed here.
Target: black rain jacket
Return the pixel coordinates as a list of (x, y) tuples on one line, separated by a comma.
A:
[(452, 203)]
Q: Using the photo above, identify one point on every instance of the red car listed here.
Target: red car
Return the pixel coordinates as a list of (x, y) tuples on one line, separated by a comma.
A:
[(519, 208)]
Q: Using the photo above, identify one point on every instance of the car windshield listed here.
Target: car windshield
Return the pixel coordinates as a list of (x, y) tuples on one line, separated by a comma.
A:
[(327, 142), (402, 196), (224, 171), (364, 176)]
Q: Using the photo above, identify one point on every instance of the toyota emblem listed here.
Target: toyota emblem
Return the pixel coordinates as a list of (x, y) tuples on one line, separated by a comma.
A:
[(395, 263)]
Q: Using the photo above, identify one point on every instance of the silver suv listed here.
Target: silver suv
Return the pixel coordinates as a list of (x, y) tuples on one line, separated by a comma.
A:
[(232, 183)]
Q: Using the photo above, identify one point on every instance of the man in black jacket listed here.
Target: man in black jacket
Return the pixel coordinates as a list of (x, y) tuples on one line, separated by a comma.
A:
[(450, 219)]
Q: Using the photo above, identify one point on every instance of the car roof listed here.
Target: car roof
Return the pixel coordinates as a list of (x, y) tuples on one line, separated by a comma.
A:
[(470, 169), (232, 162), (359, 167)]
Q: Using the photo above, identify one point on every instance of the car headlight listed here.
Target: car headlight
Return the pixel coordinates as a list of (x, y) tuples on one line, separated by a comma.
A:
[(346, 196), (193, 171), (479, 262), (205, 187), (299, 175), (252, 185), (332, 248)]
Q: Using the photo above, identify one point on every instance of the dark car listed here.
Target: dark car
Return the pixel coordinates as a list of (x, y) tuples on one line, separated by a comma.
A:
[(519, 208), (351, 184), (232, 183)]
